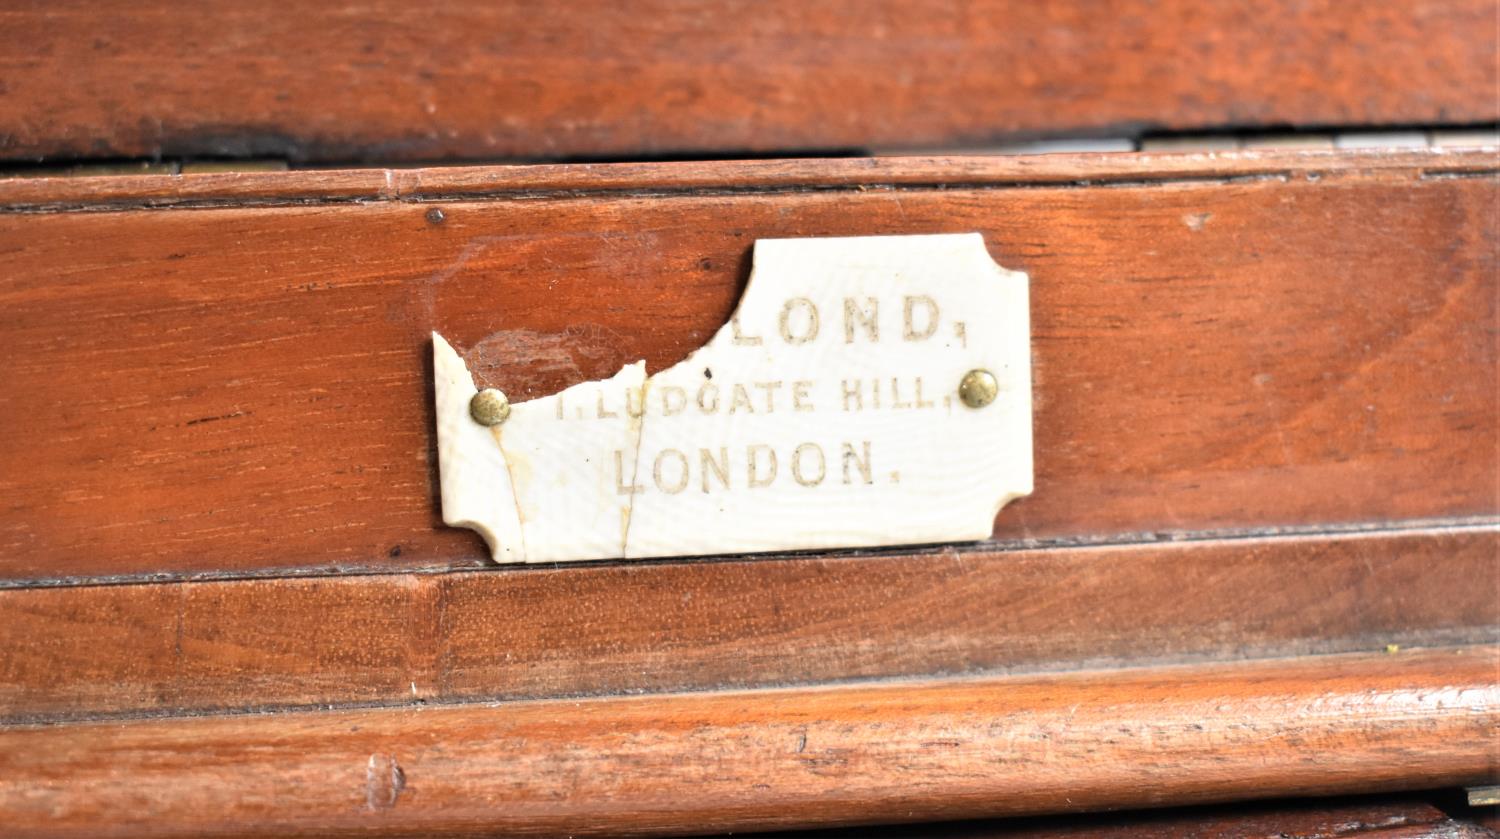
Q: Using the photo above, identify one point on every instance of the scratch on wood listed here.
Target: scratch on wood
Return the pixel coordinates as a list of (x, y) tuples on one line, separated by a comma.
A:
[(230, 415)]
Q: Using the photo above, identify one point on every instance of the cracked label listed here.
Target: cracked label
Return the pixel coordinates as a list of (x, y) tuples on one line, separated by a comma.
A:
[(867, 391)]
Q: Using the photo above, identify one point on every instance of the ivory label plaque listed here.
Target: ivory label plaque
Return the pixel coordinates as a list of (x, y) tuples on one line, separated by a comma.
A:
[(867, 391)]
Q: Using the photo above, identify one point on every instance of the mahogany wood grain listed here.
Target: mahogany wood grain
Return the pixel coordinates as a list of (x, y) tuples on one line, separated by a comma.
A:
[(81, 652), (245, 389), (389, 80), (695, 763)]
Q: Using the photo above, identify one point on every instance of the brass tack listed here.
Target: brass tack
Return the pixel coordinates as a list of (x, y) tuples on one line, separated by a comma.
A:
[(978, 388), (489, 407)]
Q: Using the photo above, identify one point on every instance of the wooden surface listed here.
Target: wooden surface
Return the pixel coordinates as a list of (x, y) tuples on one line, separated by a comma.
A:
[(41, 194), (1263, 554), (1368, 817), (245, 389), (1266, 418), (699, 763), (143, 650), (386, 80)]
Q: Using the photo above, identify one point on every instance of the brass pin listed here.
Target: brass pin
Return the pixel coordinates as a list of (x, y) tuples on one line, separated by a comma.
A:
[(489, 407), (978, 388)]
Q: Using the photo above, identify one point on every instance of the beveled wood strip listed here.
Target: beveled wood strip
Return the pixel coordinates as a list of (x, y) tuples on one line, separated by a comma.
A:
[(448, 183), (68, 653), (489, 80), (236, 391), (691, 763)]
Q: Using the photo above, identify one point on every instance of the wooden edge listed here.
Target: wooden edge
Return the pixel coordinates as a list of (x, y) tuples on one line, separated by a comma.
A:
[(776, 759), (487, 79), (1385, 816), (532, 633), (468, 182)]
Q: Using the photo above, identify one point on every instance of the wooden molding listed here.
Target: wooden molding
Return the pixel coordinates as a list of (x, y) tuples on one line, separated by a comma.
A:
[(690, 763), (82, 652), (303, 188)]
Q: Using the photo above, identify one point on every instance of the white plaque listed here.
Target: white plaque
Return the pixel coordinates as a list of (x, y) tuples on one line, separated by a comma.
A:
[(867, 391)]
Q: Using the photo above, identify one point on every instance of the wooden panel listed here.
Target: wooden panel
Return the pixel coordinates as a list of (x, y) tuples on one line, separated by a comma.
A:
[(734, 761), (170, 648), (389, 80), (239, 389)]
